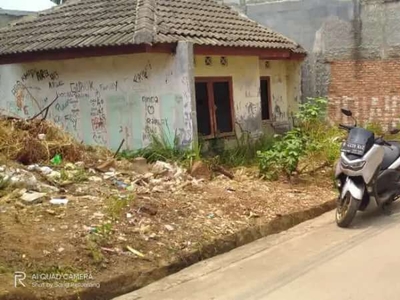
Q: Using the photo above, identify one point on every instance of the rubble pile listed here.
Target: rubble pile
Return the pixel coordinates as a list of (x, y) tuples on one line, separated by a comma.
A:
[(34, 182)]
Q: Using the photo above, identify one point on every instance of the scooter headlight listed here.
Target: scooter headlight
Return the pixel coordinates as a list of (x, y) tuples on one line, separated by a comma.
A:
[(355, 166)]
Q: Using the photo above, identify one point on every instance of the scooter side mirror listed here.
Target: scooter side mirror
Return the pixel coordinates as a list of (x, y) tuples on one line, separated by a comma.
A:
[(347, 112), (394, 131)]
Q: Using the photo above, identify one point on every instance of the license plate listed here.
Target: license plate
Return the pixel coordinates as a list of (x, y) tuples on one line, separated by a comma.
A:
[(353, 148)]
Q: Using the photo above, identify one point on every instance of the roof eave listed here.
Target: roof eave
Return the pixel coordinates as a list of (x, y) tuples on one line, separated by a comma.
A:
[(262, 53), (74, 53)]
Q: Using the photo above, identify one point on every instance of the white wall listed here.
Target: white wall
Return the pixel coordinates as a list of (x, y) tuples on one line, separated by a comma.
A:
[(106, 99)]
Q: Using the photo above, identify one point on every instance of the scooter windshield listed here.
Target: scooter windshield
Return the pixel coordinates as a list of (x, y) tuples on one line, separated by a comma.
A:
[(358, 142)]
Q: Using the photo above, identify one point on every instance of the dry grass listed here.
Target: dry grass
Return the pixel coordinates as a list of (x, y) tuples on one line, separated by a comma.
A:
[(19, 141)]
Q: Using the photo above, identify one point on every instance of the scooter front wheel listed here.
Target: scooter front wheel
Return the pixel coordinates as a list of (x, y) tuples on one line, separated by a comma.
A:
[(346, 210)]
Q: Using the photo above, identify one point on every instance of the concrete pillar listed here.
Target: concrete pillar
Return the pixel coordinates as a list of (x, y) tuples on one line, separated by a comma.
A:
[(185, 60)]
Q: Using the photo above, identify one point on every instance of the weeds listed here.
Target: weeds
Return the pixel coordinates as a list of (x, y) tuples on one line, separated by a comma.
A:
[(284, 155), (4, 182), (76, 176), (313, 140), (162, 149), (94, 251), (115, 206), (5, 270), (100, 237), (244, 153), (80, 176), (104, 230), (376, 128)]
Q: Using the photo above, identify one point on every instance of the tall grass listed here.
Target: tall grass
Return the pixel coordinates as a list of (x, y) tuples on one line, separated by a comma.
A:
[(244, 152), (162, 149)]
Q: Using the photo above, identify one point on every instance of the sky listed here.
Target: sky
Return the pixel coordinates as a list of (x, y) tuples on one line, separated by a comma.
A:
[(29, 5)]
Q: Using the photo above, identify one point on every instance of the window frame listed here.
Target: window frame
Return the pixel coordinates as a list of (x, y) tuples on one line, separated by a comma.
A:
[(268, 79), (211, 105)]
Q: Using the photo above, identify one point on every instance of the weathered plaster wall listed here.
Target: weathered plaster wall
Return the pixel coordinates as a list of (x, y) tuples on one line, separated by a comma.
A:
[(293, 78), (246, 73), (106, 99), (285, 90)]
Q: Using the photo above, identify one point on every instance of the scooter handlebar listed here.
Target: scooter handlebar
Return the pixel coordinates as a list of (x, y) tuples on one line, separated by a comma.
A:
[(382, 142)]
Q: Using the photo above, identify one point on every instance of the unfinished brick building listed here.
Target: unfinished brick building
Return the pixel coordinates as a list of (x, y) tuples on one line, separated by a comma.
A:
[(353, 46)]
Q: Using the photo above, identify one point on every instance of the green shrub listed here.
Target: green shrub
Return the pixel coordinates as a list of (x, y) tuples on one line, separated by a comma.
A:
[(313, 139), (284, 155)]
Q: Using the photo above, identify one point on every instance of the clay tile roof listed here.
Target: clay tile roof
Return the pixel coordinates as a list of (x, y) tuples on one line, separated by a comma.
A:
[(96, 23)]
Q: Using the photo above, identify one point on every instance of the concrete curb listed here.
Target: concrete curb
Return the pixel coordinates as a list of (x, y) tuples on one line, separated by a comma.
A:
[(132, 280)]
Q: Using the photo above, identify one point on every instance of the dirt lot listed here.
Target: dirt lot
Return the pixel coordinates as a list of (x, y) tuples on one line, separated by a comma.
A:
[(92, 232), (88, 224)]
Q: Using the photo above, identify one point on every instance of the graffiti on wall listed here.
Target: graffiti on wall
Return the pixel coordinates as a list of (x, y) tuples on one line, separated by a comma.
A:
[(144, 74), (278, 113), (82, 106)]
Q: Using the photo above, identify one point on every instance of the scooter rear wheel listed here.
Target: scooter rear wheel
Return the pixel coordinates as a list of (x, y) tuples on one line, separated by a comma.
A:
[(346, 211)]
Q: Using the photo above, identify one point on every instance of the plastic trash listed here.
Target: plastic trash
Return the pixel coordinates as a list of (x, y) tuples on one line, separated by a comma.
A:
[(46, 170), (59, 201), (120, 184), (56, 160)]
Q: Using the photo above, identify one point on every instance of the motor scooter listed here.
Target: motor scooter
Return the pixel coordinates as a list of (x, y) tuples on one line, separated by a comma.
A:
[(368, 171)]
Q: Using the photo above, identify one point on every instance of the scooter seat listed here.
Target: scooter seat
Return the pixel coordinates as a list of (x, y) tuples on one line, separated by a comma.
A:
[(391, 154)]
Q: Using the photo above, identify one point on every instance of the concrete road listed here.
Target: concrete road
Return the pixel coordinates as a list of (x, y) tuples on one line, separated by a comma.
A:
[(313, 261)]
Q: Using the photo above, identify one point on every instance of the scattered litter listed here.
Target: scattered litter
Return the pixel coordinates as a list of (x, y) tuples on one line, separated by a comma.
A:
[(56, 160), (120, 184), (253, 215), (69, 166), (169, 227), (32, 197), (135, 251), (109, 175), (110, 250), (50, 212), (95, 179), (98, 215), (59, 201), (80, 164), (106, 166), (46, 170)]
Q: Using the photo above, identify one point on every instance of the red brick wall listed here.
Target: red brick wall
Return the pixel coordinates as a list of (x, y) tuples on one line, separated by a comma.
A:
[(371, 89)]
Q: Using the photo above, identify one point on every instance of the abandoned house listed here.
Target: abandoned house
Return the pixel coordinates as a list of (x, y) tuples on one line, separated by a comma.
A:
[(122, 69)]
